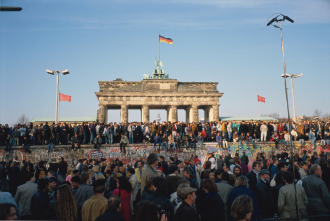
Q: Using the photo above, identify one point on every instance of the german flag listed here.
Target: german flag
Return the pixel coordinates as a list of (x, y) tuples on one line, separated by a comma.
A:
[(166, 40)]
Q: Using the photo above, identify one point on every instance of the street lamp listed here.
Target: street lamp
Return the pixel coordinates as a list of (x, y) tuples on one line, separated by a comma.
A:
[(52, 72), (293, 104), (281, 18)]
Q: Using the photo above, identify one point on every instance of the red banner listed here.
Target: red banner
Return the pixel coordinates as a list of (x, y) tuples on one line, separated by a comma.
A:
[(66, 98), (261, 99)]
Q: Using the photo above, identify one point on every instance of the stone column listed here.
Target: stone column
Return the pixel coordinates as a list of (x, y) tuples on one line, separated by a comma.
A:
[(124, 114), (145, 114), (168, 113), (211, 114), (188, 114), (194, 113), (103, 114), (215, 112), (172, 113), (207, 114), (98, 115)]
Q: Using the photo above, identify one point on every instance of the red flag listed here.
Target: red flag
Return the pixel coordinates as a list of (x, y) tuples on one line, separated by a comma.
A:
[(64, 97), (261, 99)]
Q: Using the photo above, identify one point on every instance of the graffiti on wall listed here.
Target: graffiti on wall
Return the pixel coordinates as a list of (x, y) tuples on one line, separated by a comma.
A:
[(13, 154), (134, 153)]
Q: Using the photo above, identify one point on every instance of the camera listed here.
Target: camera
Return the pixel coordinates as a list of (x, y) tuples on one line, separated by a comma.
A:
[(162, 211)]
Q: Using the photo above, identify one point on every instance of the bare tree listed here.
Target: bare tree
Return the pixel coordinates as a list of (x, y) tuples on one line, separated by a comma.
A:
[(23, 119), (273, 115), (326, 117), (317, 113)]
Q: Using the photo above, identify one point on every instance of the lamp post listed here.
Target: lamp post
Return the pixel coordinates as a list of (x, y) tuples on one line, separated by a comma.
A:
[(293, 103), (52, 72), (281, 18)]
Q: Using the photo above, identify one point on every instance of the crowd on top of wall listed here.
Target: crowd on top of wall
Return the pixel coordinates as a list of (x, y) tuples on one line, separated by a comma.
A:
[(165, 134)]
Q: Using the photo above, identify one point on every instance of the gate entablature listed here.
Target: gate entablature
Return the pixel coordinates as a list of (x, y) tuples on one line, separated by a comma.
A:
[(159, 93)]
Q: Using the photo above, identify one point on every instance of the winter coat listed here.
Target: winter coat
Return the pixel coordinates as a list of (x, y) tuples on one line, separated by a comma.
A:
[(242, 190), (266, 202), (40, 205), (286, 202), (83, 193), (224, 189), (317, 194), (213, 208), (186, 213), (146, 174), (94, 207), (163, 203), (23, 196), (252, 176), (111, 215), (135, 186)]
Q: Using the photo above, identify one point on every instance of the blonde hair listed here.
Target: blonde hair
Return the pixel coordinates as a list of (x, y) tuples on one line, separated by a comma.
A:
[(96, 168), (91, 172), (99, 177), (66, 203), (241, 181)]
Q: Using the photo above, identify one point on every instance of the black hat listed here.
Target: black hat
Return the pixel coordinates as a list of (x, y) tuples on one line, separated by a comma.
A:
[(100, 182)]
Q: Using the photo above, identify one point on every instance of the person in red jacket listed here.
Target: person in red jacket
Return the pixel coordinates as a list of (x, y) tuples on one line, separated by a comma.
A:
[(124, 191)]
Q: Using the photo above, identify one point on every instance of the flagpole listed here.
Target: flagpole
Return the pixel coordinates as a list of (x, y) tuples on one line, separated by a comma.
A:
[(59, 102), (258, 105), (258, 108), (158, 48), (57, 96)]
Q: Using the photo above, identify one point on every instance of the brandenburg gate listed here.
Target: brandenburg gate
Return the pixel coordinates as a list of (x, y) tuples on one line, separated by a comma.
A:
[(157, 91)]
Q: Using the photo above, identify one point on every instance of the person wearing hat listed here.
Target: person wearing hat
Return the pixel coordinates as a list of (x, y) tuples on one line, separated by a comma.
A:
[(97, 204), (186, 211), (264, 193)]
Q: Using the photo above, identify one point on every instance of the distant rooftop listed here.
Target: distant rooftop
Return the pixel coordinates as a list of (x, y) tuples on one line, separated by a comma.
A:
[(64, 119), (234, 118)]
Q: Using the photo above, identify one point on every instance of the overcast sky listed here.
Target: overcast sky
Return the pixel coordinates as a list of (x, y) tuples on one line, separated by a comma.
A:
[(223, 41)]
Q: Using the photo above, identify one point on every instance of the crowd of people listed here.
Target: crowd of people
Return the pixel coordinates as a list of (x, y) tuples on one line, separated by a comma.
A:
[(166, 134), (159, 188)]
